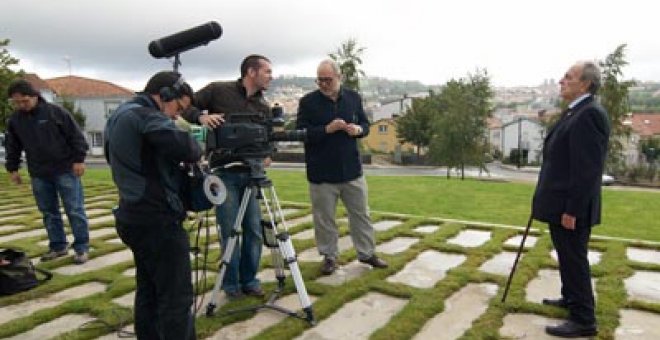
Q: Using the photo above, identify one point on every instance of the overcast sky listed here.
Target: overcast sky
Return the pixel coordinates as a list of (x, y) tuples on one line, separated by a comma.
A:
[(518, 42)]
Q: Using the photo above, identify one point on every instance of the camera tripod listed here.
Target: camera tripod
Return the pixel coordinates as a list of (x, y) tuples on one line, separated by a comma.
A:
[(276, 238)]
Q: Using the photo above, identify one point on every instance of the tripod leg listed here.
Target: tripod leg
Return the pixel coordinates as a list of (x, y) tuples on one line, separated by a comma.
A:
[(515, 263), (228, 252)]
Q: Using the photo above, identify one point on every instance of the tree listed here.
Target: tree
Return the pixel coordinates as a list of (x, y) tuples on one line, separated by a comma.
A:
[(416, 125), (7, 75), (348, 57), (77, 113), (459, 138), (614, 98)]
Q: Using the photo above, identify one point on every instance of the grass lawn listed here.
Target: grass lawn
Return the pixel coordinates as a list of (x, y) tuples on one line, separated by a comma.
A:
[(628, 214)]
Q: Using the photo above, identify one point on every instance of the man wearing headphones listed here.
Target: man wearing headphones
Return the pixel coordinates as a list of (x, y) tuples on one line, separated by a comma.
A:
[(144, 149)]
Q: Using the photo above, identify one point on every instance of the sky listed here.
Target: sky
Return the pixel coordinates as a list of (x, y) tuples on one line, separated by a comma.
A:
[(519, 43)]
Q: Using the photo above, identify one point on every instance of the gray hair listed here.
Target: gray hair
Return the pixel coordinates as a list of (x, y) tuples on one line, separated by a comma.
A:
[(332, 64), (591, 73)]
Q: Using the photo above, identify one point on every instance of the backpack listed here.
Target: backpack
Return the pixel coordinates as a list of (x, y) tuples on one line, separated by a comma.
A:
[(17, 273)]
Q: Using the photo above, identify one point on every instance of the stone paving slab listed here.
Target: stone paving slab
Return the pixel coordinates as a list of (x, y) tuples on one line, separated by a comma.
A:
[(470, 238), (10, 227), (12, 312), (643, 255), (386, 225), (304, 235), (528, 327), (426, 229), (96, 263), (593, 256), (23, 234), (461, 309), (358, 318), (15, 211), (55, 327), (397, 245), (427, 269), (548, 285), (263, 319), (101, 219), (530, 241), (345, 273), (300, 220), (114, 336), (312, 254), (637, 324), (643, 285), (501, 263)]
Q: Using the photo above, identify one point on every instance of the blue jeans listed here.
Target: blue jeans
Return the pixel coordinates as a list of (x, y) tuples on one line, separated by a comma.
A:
[(70, 190), (241, 273)]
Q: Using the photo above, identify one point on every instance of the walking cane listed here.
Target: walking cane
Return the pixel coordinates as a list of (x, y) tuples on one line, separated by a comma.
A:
[(515, 263)]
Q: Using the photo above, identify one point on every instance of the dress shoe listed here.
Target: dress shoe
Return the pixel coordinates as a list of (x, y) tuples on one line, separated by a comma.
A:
[(375, 262), (329, 266), (561, 302), (254, 291), (572, 329)]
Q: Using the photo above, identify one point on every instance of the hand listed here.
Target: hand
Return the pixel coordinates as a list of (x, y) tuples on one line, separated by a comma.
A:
[(568, 221), (78, 169), (212, 120), (268, 161), (15, 177), (353, 129), (335, 125)]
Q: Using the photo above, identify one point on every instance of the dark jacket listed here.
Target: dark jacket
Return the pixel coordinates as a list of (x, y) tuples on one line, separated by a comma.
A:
[(574, 154), (51, 139), (144, 149), (226, 97), (334, 157)]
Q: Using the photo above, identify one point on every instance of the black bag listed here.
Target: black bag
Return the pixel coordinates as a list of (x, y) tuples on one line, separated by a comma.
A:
[(192, 191), (17, 273)]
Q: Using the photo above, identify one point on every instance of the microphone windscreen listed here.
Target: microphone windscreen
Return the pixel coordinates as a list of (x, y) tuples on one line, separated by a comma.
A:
[(185, 40)]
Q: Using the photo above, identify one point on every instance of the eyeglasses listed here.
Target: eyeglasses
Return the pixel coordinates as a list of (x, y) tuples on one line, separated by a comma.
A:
[(324, 80)]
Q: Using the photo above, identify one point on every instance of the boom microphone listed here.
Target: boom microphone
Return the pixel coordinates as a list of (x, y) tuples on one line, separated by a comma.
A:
[(176, 43)]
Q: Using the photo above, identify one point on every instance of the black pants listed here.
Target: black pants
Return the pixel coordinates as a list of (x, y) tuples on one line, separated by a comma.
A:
[(164, 293), (572, 249)]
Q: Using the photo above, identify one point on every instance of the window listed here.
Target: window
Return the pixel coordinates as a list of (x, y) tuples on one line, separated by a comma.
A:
[(96, 138), (382, 128)]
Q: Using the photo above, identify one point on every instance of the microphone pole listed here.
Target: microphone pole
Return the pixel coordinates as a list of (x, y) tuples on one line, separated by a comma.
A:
[(515, 263)]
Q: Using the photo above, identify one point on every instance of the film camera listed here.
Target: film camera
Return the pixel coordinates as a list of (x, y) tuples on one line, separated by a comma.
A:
[(248, 136)]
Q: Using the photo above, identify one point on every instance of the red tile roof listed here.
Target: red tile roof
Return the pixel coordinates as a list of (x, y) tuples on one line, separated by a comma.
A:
[(646, 124), (36, 82), (79, 87)]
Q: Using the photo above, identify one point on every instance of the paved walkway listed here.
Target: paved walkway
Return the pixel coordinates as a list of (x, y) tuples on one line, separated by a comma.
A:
[(445, 281)]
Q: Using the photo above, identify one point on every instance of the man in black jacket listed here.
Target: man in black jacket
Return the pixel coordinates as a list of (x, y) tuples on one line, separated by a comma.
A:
[(55, 150), (145, 149), (567, 195), (334, 118)]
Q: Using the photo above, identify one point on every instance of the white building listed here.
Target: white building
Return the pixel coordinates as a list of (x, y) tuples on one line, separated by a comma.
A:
[(524, 133)]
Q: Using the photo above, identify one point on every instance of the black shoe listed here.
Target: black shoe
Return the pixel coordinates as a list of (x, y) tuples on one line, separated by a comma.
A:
[(572, 329), (375, 262), (233, 295), (329, 266), (255, 291), (561, 302)]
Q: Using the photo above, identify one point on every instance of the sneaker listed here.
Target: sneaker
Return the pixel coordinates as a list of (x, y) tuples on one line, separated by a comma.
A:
[(233, 295), (80, 258), (375, 262), (53, 254), (255, 291), (329, 266)]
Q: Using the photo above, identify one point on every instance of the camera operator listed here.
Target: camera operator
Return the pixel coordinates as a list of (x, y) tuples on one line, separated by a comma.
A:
[(334, 119), (144, 149), (221, 100)]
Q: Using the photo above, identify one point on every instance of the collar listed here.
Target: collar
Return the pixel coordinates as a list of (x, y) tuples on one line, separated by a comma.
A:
[(578, 100), (242, 90)]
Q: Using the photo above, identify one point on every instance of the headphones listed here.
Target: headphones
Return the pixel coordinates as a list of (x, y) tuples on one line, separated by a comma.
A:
[(170, 93)]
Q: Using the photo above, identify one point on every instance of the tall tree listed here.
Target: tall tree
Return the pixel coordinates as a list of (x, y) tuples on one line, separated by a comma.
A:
[(348, 57), (7, 75), (459, 138), (77, 113), (416, 125), (614, 98)]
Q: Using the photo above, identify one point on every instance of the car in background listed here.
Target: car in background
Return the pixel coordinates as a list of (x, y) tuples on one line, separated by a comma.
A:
[(607, 179)]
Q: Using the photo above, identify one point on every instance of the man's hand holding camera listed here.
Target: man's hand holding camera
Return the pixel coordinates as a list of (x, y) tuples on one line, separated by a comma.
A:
[(340, 124), (212, 120)]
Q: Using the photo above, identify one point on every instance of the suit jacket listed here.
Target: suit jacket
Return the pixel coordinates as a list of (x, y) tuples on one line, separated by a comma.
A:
[(574, 152)]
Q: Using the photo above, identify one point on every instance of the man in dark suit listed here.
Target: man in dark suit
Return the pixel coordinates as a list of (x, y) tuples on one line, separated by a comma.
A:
[(567, 195)]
